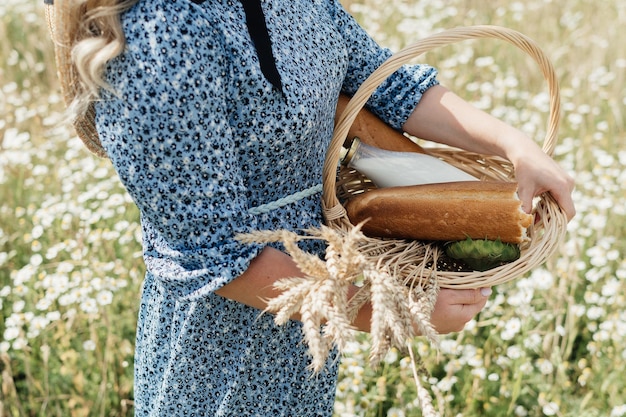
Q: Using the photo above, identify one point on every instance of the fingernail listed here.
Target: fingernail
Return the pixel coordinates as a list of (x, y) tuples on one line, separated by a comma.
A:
[(485, 292)]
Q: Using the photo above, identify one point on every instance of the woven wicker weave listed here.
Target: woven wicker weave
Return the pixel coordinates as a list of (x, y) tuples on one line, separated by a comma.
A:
[(413, 260)]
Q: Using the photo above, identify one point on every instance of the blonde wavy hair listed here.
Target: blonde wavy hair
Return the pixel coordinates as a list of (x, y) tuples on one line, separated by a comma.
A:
[(96, 38)]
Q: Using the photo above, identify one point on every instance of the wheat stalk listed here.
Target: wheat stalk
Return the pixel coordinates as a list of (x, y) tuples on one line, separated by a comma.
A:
[(423, 395), (321, 295)]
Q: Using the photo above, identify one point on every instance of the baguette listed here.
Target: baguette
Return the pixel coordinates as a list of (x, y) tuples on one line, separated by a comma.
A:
[(443, 211), (373, 131)]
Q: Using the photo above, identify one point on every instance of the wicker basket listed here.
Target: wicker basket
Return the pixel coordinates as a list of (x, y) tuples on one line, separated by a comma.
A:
[(415, 261)]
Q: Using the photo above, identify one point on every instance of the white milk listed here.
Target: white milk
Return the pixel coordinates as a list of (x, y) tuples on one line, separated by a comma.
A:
[(393, 169)]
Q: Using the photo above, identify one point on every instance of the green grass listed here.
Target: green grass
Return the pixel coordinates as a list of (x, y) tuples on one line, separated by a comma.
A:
[(550, 343)]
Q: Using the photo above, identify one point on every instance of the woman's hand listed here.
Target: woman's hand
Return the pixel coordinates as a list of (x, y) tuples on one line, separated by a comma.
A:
[(537, 173), (454, 308)]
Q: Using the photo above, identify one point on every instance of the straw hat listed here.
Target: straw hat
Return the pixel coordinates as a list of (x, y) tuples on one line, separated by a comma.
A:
[(63, 27)]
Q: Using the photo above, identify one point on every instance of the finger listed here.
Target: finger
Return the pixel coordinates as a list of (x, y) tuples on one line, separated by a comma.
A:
[(456, 319), (564, 199), (486, 291), (469, 311), (467, 296), (526, 197), (562, 193)]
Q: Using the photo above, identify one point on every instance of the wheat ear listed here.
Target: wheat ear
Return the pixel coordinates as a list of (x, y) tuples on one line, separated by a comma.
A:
[(423, 395)]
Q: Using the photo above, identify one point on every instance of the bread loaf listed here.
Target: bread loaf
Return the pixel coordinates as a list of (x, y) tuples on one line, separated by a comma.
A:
[(373, 131), (443, 211)]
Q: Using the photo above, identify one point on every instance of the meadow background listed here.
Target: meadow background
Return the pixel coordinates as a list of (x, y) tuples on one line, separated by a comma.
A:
[(551, 343)]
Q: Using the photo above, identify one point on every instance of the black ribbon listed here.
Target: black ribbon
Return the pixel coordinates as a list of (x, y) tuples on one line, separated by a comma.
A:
[(261, 38)]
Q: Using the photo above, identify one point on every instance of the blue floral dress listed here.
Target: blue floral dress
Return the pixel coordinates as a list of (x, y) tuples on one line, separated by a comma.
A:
[(199, 137)]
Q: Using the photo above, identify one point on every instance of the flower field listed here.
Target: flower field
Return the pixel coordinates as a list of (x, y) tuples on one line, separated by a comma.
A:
[(551, 343)]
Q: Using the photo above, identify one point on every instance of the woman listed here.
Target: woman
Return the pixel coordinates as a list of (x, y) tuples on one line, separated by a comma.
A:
[(208, 109)]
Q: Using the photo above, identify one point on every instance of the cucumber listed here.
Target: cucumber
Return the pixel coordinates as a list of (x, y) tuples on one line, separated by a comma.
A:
[(482, 254)]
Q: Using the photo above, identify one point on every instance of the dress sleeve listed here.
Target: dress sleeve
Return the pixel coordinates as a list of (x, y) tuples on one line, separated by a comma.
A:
[(394, 100), (167, 134)]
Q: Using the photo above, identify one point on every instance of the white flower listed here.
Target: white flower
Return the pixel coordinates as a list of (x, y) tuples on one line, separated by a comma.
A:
[(522, 297), (484, 61), (578, 310), (14, 320), (37, 231), (449, 346), (392, 356), (613, 255), (23, 275), (475, 361), (618, 411), (37, 324), (511, 328), (542, 279), (470, 325), (11, 333), (43, 304), (453, 366), (20, 343), (520, 411), (67, 299), (20, 290), (447, 383), (526, 368), (5, 291), (597, 254), (105, 297), (89, 345), (13, 139), (545, 366), (481, 373), (36, 246), (89, 306), (507, 335), (533, 341), (514, 352), (65, 267), (395, 412), (53, 316), (550, 409), (611, 288), (18, 306), (36, 260), (595, 313)]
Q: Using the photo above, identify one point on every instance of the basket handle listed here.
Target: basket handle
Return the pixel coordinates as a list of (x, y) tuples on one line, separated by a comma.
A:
[(332, 208)]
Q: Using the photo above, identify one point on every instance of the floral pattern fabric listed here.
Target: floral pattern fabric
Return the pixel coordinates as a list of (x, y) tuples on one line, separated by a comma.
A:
[(199, 137)]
